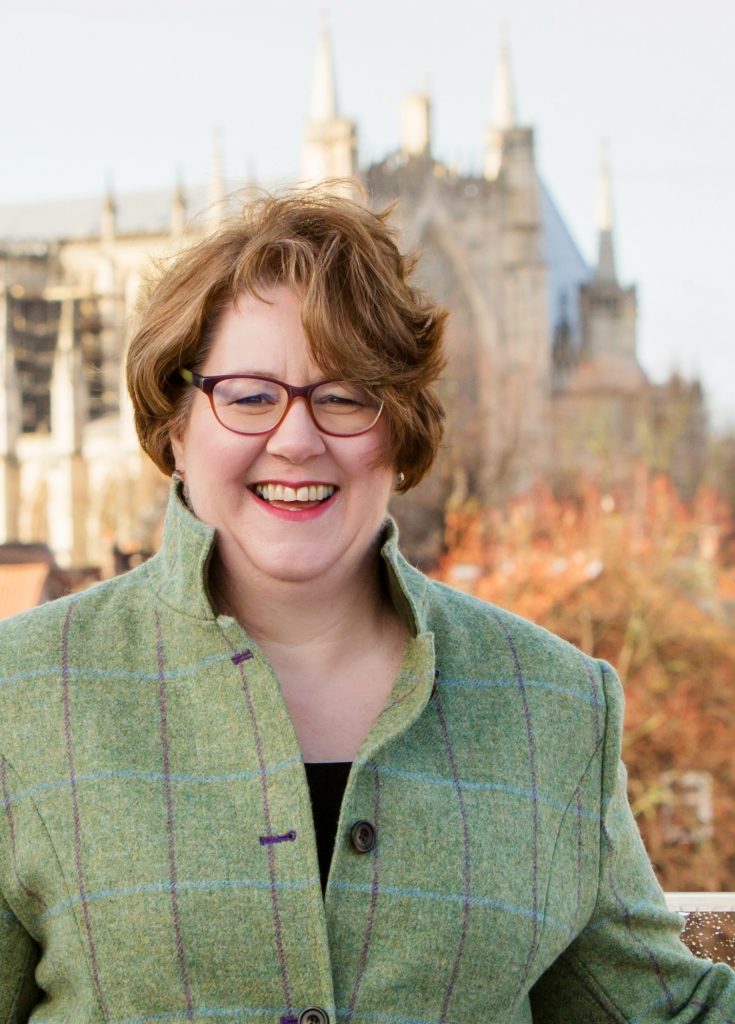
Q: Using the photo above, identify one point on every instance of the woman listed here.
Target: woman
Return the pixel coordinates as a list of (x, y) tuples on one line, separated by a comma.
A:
[(158, 856)]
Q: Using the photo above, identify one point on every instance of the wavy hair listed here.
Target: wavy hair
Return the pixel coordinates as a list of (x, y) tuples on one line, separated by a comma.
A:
[(363, 319)]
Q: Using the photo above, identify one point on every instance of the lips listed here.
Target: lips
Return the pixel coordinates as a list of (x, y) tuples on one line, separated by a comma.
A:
[(305, 493)]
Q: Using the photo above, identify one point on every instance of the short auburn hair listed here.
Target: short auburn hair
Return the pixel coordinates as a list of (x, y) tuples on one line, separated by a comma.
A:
[(363, 319)]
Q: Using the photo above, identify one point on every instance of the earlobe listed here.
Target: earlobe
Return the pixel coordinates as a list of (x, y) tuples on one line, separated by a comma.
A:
[(177, 449)]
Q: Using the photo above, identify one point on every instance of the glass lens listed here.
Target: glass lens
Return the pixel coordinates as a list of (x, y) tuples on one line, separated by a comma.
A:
[(252, 406), (343, 408), (249, 405)]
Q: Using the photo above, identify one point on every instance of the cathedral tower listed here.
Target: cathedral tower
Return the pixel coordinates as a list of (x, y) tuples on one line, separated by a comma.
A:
[(416, 126), (503, 117), (330, 148), (609, 310), (522, 304)]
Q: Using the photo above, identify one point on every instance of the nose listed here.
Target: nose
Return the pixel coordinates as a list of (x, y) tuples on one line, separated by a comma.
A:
[(296, 437)]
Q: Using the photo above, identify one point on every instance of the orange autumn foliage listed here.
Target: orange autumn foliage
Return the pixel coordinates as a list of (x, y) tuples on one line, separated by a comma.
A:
[(648, 583)]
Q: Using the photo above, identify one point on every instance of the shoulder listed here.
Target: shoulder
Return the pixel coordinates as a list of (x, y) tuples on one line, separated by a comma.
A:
[(475, 637), (73, 640), (528, 700), (107, 605)]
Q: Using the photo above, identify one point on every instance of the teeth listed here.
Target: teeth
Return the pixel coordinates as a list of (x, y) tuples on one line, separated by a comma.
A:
[(279, 492)]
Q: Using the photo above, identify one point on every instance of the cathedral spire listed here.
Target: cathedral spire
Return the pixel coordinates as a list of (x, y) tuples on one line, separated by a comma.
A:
[(504, 100), (504, 118), (606, 252), (330, 147), (323, 87)]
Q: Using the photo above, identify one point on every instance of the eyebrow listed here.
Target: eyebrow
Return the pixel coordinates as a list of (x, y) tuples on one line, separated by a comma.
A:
[(270, 375)]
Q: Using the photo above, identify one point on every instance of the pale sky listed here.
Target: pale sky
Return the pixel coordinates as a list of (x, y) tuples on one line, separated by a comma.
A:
[(98, 90)]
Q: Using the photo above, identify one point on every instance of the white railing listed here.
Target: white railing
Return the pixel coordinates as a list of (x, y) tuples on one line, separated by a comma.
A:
[(693, 902)]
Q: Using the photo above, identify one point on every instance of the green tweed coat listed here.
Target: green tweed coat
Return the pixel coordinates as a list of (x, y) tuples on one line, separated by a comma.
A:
[(157, 852)]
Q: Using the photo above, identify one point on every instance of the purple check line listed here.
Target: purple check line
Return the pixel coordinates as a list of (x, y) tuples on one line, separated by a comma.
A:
[(374, 890), (467, 861), (75, 808), (578, 800), (11, 833), (521, 679), (263, 775), (628, 917), (595, 703), (170, 827)]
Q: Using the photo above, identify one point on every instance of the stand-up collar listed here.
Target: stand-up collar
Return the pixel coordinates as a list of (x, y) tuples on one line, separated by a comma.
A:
[(179, 571)]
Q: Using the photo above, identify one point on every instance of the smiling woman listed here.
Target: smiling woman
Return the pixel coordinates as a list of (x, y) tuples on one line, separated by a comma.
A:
[(250, 479), (276, 773)]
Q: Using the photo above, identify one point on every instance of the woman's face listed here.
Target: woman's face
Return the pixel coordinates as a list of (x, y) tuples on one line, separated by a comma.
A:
[(227, 474)]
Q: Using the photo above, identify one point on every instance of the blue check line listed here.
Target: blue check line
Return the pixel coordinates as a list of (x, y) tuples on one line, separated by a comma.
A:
[(456, 897), (149, 776), (490, 787), (213, 1012), (647, 903), (512, 684), (102, 673), (206, 885), (686, 988), (8, 915)]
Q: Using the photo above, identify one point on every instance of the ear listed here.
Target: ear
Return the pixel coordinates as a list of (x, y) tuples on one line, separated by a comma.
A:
[(178, 448)]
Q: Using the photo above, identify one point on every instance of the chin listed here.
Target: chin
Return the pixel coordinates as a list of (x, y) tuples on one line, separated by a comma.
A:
[(295, 570)]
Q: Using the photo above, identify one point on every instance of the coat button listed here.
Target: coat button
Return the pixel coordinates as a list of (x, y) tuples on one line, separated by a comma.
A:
[(363, 836), (314, 1015)]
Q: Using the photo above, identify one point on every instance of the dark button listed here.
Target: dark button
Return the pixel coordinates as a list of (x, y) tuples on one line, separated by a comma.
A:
[(363, 836), (314, 1015)]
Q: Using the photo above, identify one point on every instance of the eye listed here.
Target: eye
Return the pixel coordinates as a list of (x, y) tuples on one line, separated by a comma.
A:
[(342, 395), (337, 400), (247, 394), (261, 399)]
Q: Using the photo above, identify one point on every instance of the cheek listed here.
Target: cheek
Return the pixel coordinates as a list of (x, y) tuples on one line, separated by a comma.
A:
[(379, 454), (373, 468)]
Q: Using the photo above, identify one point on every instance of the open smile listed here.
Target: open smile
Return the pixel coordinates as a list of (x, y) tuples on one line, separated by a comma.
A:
[(305, 493), (297, 503)]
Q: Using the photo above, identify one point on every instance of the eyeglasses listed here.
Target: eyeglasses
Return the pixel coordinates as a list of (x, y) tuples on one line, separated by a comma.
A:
[(247, 403)]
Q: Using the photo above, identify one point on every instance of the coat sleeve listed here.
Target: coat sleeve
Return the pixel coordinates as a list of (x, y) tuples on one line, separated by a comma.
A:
[(628, 964), (18, 958)]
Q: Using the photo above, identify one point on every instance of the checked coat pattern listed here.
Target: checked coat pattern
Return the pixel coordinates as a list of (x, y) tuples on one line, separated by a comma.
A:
[(157, 852)]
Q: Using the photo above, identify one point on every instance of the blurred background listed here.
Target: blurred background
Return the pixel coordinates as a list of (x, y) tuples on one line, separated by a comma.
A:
[(566, 172)]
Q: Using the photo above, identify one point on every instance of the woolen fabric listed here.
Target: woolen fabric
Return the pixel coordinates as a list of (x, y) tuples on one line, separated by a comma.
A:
[(157, 851)]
